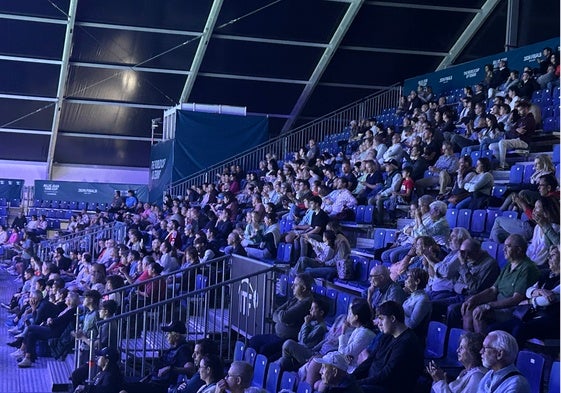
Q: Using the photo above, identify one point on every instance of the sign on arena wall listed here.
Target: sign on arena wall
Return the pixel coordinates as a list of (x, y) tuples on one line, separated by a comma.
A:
[(473, 72), (85, 191), (11, 188)]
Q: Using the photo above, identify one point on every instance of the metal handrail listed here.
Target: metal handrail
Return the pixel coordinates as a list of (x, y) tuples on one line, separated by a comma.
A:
[(208, 312), (318, 129), (86, 239)]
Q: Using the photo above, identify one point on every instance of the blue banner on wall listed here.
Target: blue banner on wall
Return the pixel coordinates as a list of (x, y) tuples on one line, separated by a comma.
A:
[(85, 191), (473, 72), (204, 139), (11, 188), (161, 168)]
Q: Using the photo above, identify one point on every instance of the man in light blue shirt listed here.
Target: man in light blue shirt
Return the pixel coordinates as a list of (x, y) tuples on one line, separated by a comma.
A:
[(498, 355)]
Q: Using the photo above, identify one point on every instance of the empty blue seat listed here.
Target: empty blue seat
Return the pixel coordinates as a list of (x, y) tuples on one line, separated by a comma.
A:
[(555, 156), (436, 337), (531, 365), (273, 377), (498, 191), (528, 172), (3, 202), (390, 236), (478, 218), (452, 217), (550, 124), (492, 214), (260, 370), (249, 356), (282, 285), (331, 294), (368, 215), (343, 301), (239, 349), (516, 174), (379, 238), (464, 218), (491, 247), (359, 215), (288, 381), (15, 202)]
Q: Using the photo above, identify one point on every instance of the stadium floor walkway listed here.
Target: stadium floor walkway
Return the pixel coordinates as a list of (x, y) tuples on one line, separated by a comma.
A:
[(35, 379)]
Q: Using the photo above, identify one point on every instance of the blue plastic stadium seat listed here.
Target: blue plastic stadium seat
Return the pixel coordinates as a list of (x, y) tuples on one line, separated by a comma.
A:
[(453, 342), (478, 218), (260, 370), (516, 174), (491, 247), (464, 218), (452, 217), (498, 191), (379, 238), (554, 378), (249, 356), (273, 377), (288, 381), (531, 365), (239, 350), (436, 337), (492, 214)]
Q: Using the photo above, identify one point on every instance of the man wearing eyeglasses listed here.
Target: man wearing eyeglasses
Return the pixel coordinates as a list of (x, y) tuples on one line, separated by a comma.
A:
[(498, 355), (238, 378)]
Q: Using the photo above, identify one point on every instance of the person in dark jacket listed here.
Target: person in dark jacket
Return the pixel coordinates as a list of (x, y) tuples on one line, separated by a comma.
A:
[(397, 362), (110, 378)]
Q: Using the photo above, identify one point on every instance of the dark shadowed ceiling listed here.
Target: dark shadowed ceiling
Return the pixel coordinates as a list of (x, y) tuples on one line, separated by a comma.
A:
[(293, 60)]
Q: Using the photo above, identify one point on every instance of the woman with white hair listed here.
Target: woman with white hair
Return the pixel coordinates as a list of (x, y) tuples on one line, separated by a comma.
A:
[(437, 227)]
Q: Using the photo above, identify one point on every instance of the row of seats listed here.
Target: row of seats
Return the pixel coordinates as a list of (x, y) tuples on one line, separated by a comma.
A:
[(16, 202), (267, 374), (71, 205), (50, 213)]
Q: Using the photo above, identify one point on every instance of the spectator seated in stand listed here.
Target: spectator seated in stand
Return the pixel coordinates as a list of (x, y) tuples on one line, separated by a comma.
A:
[(479, 187), (499, 354), (503, 226), (469, 355), (495, 304), (288, 319), (518, 137), (296, 353), (397, 361), (169, 365), (406, 236), (444, 168), (382, 288)]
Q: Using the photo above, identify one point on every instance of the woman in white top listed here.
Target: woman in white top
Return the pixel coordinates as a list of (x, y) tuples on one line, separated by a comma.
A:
[(470, 357), (360, 318)]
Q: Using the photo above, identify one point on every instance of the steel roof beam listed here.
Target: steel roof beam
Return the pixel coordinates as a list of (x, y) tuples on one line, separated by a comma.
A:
[(37, 19), (468, 33), (27, 97), (140, 29), (61, 90), (391, 50), (269, 41), (24, 59), (421, 6), (328, 53), (201, 50)]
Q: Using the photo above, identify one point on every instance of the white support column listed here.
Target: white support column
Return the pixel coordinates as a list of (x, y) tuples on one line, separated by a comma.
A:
[(468, 33), (334, 43), (201, 49), (62, 80)]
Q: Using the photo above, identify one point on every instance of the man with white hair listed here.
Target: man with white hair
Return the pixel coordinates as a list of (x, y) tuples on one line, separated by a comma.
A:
[(438, 227), (498, 355)]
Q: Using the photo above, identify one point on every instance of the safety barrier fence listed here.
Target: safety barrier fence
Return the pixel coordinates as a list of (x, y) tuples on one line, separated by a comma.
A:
[(216, 300)]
